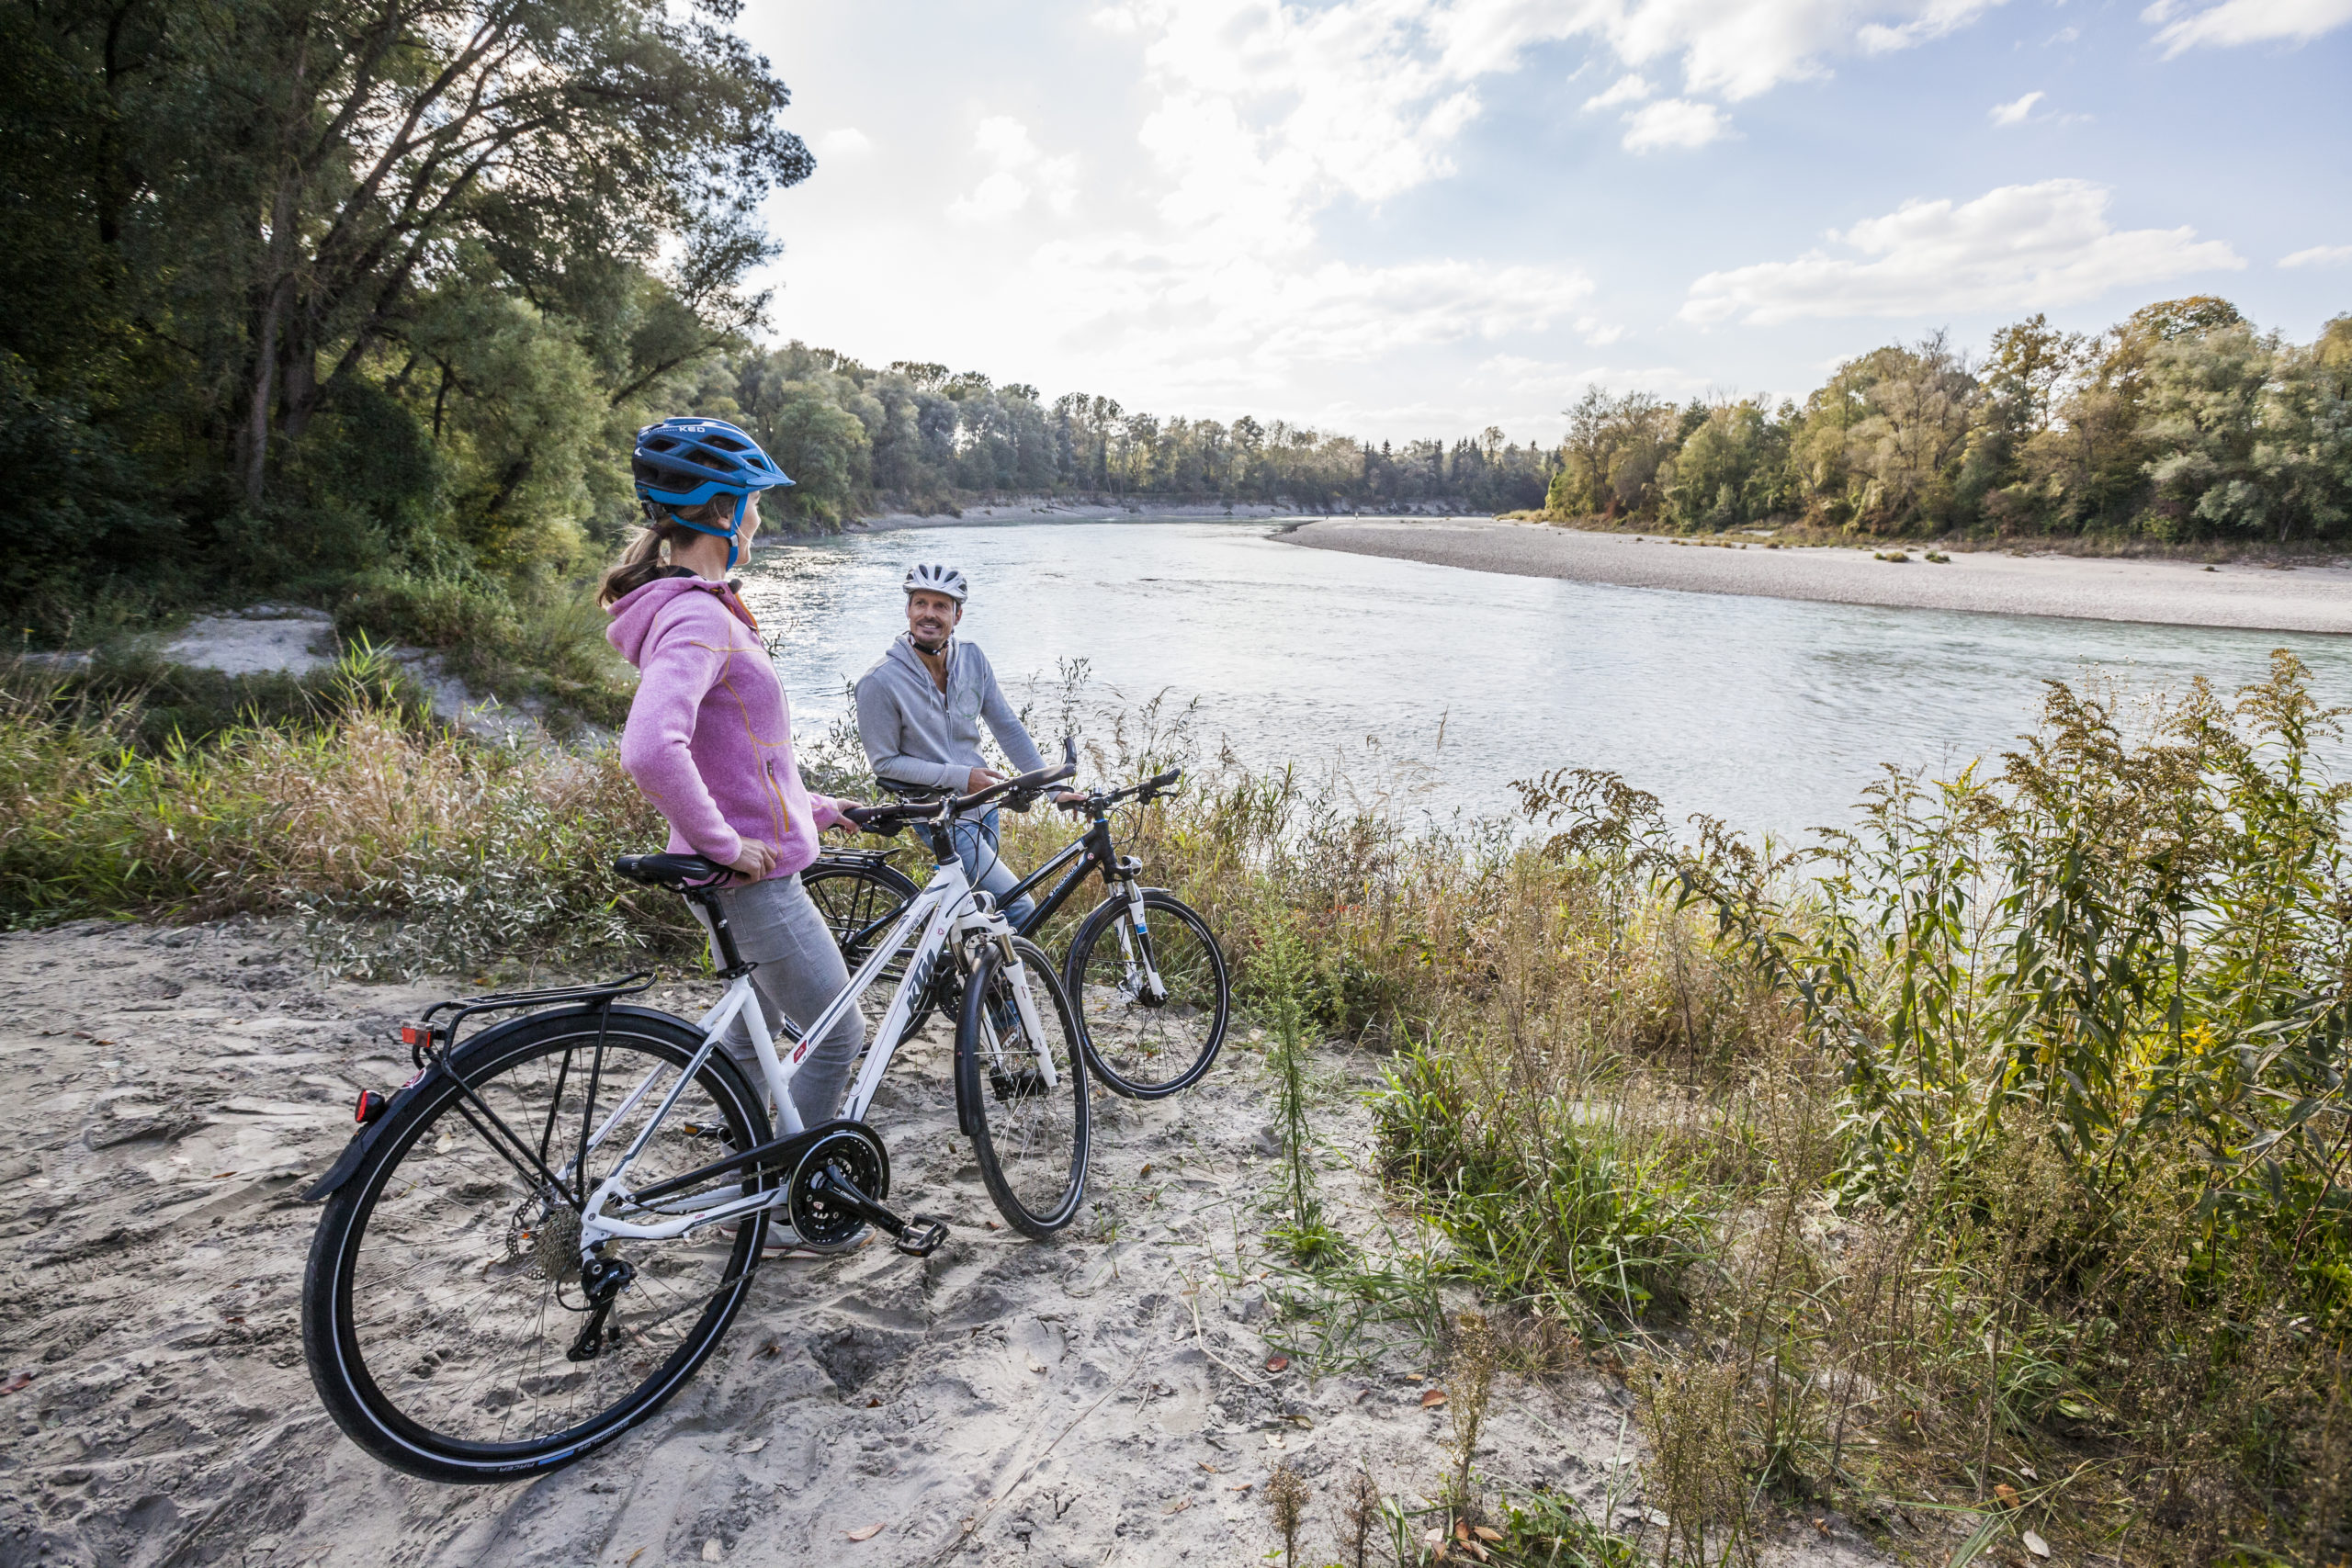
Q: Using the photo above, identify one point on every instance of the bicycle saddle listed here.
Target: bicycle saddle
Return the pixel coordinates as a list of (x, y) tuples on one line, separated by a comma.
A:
[(677, 873)]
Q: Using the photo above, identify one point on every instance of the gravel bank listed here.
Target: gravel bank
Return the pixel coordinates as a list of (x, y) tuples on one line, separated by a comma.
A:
[(2307, 599)]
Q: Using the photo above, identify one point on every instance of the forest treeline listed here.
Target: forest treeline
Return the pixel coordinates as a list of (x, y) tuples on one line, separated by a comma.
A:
[(2183, 422), (858, 439)]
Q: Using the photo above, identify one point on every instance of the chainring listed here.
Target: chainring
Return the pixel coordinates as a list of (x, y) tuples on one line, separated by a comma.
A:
[(854, 1154)]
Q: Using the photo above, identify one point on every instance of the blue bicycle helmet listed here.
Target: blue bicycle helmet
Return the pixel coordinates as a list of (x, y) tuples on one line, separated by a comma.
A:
[(686, 461)]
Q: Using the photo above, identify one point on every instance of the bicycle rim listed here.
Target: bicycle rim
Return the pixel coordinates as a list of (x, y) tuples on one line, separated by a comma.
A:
[(1029, 1133), (1144, 1042), (446, 1302)]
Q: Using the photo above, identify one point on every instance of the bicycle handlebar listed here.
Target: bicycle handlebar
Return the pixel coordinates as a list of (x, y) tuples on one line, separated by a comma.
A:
[(886, 820), (1145, 792)]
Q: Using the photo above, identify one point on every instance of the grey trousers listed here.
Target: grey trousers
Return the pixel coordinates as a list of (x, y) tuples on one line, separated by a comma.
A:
[(777, 927)]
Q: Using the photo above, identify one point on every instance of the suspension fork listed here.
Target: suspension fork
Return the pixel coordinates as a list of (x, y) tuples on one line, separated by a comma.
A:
[(1024, 1004), (1134, 935)]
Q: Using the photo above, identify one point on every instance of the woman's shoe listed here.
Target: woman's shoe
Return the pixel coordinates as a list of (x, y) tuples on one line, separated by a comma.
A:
[(783, 1241)]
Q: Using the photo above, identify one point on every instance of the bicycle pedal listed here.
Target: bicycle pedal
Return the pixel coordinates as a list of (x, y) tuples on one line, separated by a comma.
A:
[(921, 1237)]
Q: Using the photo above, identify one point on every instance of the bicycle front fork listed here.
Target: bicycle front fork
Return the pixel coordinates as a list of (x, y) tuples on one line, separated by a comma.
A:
[(1135, 939)]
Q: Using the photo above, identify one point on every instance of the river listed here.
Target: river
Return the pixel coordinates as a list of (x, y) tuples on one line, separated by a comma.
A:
[(1440, 687)]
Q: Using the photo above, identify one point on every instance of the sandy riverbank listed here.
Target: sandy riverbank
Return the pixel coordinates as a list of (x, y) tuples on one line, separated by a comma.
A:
[(1103, 1398), (2306, 599)]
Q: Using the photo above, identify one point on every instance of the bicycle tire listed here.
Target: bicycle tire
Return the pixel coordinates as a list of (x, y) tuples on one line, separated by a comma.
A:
[(412, 1274), (855, 895), (1021, 1125), (1141, 1049)]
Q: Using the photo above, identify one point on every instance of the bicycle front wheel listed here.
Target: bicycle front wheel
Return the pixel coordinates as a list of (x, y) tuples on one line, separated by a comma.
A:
[(1152, 996), (1024, 1085), (447, 1326)]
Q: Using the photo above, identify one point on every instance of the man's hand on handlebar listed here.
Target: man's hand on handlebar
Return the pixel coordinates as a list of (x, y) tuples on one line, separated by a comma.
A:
[(979, 779)]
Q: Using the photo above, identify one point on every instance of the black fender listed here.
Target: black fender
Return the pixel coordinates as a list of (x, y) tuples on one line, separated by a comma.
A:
[(438, 1071), (355, 1152)]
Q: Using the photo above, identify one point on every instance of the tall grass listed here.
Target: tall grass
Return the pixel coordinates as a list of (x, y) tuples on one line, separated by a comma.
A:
[(407, 847)]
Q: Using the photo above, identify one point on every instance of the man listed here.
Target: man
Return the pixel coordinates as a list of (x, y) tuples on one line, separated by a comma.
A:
[(919, 711)]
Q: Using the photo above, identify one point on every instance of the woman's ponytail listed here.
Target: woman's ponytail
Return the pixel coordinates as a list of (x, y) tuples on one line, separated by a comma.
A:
[(641, 562)]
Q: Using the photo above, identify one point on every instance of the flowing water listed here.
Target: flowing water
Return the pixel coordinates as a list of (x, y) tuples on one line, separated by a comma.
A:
[(1441, 685)]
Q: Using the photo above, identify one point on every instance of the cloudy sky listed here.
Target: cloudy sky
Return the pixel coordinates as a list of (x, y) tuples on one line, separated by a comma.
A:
[(1399, 218)]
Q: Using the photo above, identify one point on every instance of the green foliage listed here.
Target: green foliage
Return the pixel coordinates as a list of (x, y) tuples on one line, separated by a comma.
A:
[(1549, 1202), (301, 294), (2182, 423)]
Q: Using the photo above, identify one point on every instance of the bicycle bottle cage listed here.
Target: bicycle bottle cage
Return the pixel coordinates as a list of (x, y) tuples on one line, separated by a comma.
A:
[(431, 1031)]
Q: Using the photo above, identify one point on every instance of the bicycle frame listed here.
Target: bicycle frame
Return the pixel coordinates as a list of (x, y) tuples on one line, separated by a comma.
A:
[(1093, 849), (946, 914)]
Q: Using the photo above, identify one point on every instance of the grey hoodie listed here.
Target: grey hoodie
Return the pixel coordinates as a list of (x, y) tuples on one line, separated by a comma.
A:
[(917, 736)]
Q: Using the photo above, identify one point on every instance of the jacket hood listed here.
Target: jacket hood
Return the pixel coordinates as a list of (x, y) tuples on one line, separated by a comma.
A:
[(634, 613), (902, 650)]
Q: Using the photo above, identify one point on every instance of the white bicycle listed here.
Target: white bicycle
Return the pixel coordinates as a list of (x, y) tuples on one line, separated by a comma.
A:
[(535, 1241)]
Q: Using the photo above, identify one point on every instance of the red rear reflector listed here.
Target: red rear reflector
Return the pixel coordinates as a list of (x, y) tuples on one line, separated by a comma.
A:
[(371, 1105)]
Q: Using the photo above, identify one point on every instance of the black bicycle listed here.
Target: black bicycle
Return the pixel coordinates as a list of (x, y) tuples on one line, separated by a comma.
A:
[(1143, 971)]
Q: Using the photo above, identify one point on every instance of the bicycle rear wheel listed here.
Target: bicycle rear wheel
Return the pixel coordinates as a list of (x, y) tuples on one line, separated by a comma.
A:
[(861, 898), (444, 1314), (1025, 1090), (1144, 1040)]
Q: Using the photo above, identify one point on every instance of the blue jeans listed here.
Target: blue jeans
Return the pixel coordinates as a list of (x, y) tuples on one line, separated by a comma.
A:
[(976, 840)]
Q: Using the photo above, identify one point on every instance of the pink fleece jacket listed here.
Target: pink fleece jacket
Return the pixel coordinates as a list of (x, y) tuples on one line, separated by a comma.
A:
[(709, 733)]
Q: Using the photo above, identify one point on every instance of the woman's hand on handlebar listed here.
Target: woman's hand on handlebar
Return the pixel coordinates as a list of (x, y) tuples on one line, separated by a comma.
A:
[(847, 824), (754, 863)]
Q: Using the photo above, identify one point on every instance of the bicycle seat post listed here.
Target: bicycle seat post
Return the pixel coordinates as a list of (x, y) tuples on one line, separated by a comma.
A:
[(722, 935)]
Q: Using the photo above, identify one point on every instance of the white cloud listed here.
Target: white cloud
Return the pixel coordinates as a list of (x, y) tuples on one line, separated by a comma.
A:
[(2019, 247), (1196, 313), (2319, 255), (847, 142), (1630, 88), (1673, 122), (2017, 112), (1020, 171), (1736, 48), (2181, 27)]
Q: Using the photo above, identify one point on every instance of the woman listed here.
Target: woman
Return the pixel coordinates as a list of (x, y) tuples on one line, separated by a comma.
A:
[(709, 733)]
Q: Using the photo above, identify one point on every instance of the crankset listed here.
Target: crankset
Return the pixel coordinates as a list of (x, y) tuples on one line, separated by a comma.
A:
[(837, 1186)]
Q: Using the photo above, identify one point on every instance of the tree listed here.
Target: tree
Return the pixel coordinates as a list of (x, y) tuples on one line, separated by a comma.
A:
[(325, 160)]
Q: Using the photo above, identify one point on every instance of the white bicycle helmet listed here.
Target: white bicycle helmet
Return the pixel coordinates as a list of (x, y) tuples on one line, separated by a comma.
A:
[(937, 580)]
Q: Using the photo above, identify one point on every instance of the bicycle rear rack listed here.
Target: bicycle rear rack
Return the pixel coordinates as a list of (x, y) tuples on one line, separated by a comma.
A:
[(431, 1031)]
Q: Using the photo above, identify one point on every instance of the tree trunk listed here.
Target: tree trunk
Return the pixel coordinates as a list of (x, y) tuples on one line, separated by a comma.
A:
[(256, 441), (276, 289)]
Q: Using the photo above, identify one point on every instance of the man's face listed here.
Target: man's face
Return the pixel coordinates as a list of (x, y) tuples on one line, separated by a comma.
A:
[(931, 617)]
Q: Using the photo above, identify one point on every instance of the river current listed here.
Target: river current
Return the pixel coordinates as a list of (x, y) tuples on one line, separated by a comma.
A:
[(1438, 686)]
